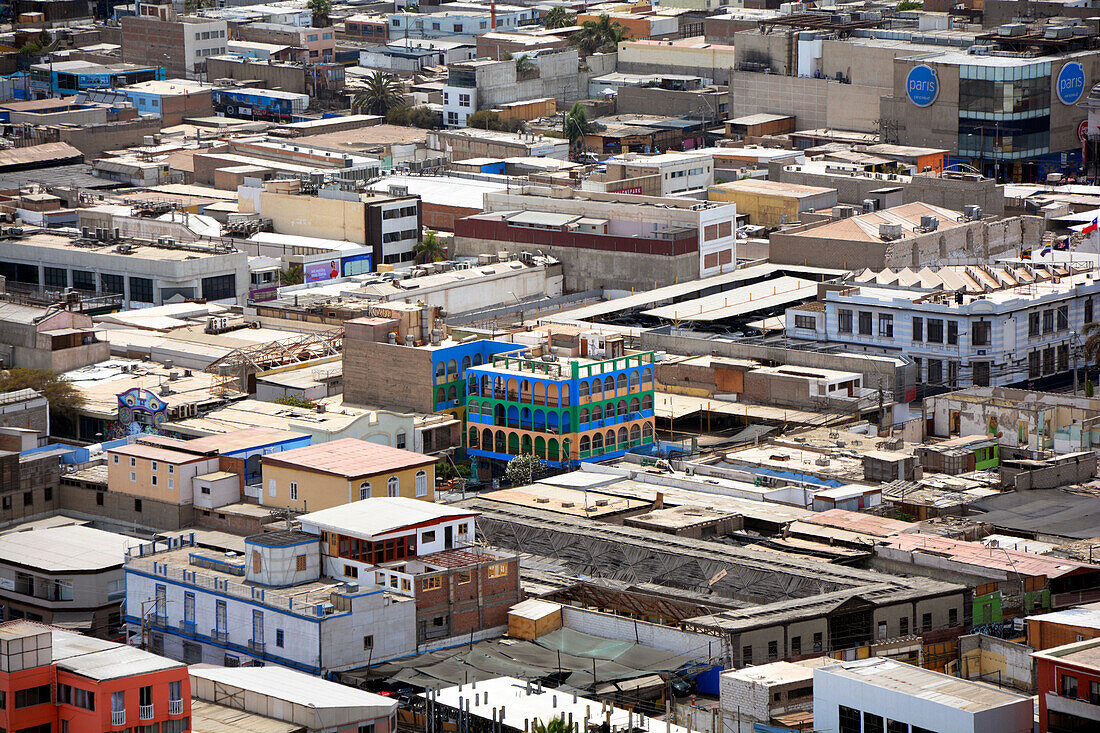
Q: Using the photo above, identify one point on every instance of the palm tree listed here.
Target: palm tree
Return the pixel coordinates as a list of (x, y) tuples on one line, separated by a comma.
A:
[(554, 725), (576, 125), (291, 276), (382, 93), (598, 36), (430, 248), (558, 17), (321, 10), (525, 66)]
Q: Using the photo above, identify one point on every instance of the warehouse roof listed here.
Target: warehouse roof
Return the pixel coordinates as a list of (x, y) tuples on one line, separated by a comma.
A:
[(66, 549), (298, 688)]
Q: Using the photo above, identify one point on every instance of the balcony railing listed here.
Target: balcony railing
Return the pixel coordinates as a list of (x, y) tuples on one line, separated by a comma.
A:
[(187, 627), (145, 712), (118, 717), (222, 636), (175, 707), (256, 647)]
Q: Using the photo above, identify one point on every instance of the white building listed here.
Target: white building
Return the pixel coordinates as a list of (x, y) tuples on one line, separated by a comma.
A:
[(883, 695), (757, 694), (677, 172), (458, 20), (962, 325), (272, 606)]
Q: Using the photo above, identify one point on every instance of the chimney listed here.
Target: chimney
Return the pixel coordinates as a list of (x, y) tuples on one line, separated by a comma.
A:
[(659, 502)]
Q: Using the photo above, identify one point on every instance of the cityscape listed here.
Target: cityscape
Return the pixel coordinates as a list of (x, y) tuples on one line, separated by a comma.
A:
[(548, 366)]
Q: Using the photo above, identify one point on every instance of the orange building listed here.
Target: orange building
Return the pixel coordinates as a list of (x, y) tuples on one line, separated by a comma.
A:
[(1049, 630), (57, 680)]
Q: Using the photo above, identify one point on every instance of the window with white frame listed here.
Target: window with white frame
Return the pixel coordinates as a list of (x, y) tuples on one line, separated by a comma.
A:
[(364, 490), (294, 491), (421, 483), (393, 487)]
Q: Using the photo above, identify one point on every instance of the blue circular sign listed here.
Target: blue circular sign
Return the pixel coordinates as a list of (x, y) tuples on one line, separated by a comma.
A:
[(1071, 83), (921, 85)]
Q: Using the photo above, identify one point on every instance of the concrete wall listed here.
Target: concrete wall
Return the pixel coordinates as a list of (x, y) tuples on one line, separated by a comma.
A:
[(711, 61), (656, 101), (388, 375), (703, 648), (1079, 469), (997, 661)]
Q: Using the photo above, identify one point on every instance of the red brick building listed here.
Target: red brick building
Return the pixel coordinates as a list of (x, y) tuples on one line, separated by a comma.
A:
[(1069, 687), (57, 680)]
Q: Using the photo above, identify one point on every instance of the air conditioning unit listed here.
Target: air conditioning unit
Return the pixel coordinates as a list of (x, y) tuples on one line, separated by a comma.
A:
[(929, 223), (889, 232)]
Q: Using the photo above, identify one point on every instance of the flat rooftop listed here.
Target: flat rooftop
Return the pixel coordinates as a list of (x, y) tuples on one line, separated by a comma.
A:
[(66, 549), (298, 688), (382, 515), (932, 686)]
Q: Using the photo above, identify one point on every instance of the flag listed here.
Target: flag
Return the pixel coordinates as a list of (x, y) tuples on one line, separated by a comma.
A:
[(1062, 245), (1045, 252), (1092, 227), (1026, 254)]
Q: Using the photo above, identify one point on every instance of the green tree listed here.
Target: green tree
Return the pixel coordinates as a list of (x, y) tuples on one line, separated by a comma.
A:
[(1089, 389), (598, 36), (59, 391), (910, 5), (421, 116), (321, 10), (430, 248), (559, 17), (488, 120), (193, 6), (295, 401), (381, 93), (292, 275), (575, 126), (1091, 332), (523, 470), (525, 67)]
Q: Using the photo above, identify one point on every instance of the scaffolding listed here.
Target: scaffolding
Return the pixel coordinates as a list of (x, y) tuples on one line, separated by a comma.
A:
[(241, 364)]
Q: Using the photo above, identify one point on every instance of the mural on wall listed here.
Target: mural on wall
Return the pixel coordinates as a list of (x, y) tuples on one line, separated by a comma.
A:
[(140, 411)]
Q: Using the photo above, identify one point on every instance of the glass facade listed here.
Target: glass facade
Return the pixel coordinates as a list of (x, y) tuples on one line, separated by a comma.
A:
[(1004, 111)]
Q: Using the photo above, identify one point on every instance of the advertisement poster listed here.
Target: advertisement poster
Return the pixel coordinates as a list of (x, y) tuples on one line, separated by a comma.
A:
[(324, 270), (357, 264)]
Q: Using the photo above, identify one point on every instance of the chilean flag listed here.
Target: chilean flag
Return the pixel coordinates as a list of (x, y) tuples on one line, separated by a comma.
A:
[(1094, 226)]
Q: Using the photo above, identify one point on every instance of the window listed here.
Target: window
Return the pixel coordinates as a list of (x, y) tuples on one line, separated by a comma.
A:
[(498, 570), (463, 576), (1062, 317), (1068, 688), (350, 571), (952, 617), (393, 486), (864, 323), (849, 719), (426, 537), (118, 701), (935, 371), (400, 442), (171, 469), (300, 563), (189, 607), (368, 641), (133, 461), (935, 331), (952, 332), (141, 289), (796, 645), (153, 480), (279, 638), (364, 490), (805, 322), (114, 284), (172, 485), (903, 626), (918, 329), (872, 723), (1088, 303), (294, 491), (137, 505), (1094, 692), (366, 728), (463, 528), (1033, 324), (115, 457), (219, 617), (433, 583), (133, 476), (980, 333), (773, 651), (56, 277), (746, 655), (1048, 321), (886, 325), (36, 696), (894, 726), (219, 287), (28, 498), (175, 690), (926, 622), (257, 627), (844, 321), (463, 100)]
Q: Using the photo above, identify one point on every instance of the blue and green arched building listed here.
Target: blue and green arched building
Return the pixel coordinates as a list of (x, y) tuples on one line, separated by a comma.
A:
[(564, 411)]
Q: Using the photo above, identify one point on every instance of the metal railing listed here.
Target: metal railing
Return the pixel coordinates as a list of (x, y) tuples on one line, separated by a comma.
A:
[(145, 712), (175, 707), (118, 717)]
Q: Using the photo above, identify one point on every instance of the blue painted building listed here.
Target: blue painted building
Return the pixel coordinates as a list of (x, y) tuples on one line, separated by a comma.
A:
[(256, 103), (72, 77)]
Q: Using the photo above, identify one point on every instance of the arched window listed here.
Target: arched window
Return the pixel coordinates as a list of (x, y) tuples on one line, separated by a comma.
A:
[(513, 416), (635, 432), (647, 432), (597, 412), (586, 444), (452, 370), (487, 439), (440, 370), (486, 386), (597, 443), (473, 441), (540, 447), (622, 437), (513, 390), (441, 395), (525, 445), (364, 489), (421, 484), (609, 441), (635, 381), (465, 364), (583, 417), (622, 407), (393, 487), (647, 378), (609, 387), (452, 393), (552, 395), (582, 389), (498, 414), (597, 389), (634, 404), (621, 384), (471, 386), (565, 395), (513, 444), (552, 449), (500, 443), (478, 360), (647, 401), (473, 407)]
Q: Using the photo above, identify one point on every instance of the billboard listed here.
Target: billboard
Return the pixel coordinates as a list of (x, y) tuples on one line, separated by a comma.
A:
[(323, 270), (357, 264)]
